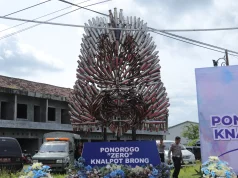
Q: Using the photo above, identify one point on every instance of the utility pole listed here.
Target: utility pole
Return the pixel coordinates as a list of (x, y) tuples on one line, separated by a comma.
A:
[(227, 60), (133, 130), (104, 130)]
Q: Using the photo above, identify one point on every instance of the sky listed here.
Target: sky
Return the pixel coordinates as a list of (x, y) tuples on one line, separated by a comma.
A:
[(49, 54)]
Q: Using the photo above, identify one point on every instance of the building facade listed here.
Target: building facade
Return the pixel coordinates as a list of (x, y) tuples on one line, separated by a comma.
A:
[(177, 130), (28, 110)]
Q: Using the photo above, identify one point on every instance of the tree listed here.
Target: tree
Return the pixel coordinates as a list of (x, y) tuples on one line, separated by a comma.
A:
[(191, 132)]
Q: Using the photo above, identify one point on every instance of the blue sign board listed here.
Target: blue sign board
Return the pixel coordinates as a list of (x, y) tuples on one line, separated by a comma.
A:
[(135, 153)]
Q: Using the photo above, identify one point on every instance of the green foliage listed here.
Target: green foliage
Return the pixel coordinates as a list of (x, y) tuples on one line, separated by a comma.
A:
[(191, 132), (7, 174), (192, 142)]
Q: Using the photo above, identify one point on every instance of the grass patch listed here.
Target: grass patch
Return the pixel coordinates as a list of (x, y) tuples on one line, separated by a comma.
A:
[(6, 174), (189, 171), (58, 176)]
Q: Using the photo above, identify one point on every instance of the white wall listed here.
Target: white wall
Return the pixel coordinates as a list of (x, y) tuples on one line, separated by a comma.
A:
[(177, 131)]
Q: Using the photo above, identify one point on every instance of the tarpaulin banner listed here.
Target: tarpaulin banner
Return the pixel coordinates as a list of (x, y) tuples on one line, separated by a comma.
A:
[(217, 97), (133, 153)]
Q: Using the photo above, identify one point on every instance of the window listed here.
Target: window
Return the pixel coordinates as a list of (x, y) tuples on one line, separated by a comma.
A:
[(54, 147), (51, 114), (65, 118), (167, 145), (3, 110), (22, 111), (37, 114)]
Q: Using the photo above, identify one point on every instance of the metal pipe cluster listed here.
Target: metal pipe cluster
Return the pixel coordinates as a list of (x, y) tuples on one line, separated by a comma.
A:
[(118, 78)]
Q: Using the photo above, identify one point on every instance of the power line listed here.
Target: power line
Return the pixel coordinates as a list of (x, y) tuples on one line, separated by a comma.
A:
[(197, 30), (167, 30), (151, 29), (73, 25), (82, 26), (160, 30), (45, 22), (67, 25), (83, 7), (195, 41), (41, 16), (159, 33), (26, 8)]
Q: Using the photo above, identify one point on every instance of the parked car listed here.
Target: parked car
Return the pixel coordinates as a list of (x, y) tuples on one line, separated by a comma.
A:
[(195, 149), (188, 157), (10, 154)]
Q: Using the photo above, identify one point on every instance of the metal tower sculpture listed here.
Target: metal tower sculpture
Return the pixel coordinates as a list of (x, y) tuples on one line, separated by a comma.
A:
[(118, 78)]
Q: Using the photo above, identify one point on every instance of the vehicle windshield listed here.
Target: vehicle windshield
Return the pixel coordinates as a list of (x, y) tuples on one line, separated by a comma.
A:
[(168, 144), (9, 147), (54, 147)]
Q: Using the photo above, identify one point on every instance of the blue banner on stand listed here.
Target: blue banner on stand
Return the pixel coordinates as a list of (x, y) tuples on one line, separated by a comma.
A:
[(135, 153)]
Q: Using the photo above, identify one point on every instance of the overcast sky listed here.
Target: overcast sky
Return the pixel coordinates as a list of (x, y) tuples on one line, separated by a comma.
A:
[(48, 54)]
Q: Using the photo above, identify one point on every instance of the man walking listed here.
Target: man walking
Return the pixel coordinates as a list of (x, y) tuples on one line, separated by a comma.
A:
[(161, 147), (176, 156)]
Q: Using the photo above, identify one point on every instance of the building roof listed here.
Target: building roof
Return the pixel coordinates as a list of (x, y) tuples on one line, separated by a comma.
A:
[(29, 86), (189, 122)]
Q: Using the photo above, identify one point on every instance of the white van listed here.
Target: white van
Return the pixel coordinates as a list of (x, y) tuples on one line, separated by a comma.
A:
[(188, 157)]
